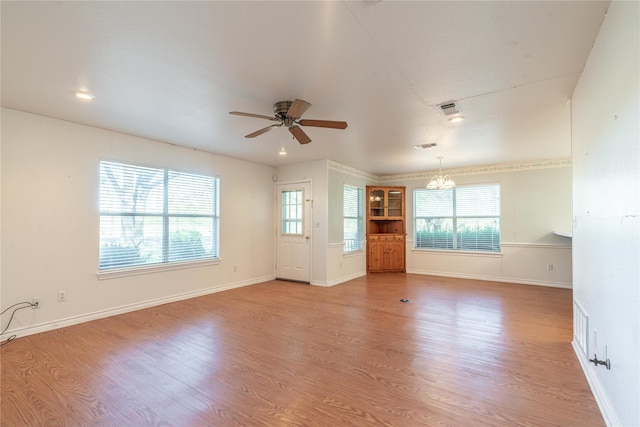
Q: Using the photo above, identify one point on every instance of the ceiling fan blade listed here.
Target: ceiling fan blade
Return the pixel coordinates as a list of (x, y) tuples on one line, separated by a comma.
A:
[(324, 124), (261, 131), (258, 116), (299, 134), (298, 108)]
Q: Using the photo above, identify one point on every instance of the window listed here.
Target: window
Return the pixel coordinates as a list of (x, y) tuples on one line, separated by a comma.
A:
[(352, 218), (464, 218), (156, 216)]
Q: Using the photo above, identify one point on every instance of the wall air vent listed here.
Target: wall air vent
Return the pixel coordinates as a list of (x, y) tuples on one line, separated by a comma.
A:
[(449, 108)]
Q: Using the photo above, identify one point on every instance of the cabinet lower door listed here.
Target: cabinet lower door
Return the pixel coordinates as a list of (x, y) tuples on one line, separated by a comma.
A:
[(385, 256), (376, 256), (394, 256)]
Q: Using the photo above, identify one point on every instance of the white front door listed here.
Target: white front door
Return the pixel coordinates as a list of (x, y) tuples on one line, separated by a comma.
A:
[(293, 237)]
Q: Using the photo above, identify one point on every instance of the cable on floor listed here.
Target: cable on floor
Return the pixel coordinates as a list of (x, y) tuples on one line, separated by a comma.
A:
[(28, 305)]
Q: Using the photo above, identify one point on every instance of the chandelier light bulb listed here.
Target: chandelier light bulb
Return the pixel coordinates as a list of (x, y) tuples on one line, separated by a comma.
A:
[(439, 181)]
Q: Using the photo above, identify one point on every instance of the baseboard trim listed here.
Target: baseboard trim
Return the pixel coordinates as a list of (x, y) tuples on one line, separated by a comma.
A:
[(608, 414), (492, 278), (74, 320), (340, 280)]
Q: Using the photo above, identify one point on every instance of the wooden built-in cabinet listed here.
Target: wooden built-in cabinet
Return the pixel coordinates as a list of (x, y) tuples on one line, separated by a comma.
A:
[(386, 229)]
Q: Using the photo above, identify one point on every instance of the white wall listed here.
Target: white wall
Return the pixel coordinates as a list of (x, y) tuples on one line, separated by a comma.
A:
[(606, 244), (535, 201), (50, 222), (329, 264), (342, 267), (314, 172)]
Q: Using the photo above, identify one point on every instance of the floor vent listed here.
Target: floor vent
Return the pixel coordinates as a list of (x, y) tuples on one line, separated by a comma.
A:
[(580, 327)]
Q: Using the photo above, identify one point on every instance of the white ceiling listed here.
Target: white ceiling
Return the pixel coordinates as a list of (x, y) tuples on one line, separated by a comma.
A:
[(172, 71)]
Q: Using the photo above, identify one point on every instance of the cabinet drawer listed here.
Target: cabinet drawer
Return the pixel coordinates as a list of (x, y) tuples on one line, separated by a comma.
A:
[(386, 238)]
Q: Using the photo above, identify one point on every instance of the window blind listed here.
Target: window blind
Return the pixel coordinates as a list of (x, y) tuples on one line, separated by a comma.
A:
[(153, 216), (352, 214), (461, 218)]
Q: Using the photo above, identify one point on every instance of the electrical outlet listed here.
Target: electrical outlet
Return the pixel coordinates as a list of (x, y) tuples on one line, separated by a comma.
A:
[(62, 296), (37, 301), (549, 267)]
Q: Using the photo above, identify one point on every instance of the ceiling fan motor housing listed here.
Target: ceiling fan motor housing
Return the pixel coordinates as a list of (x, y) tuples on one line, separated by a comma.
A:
[(280, 109)]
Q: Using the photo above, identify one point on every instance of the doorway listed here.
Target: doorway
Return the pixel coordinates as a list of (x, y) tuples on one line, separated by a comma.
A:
[(293, 232)]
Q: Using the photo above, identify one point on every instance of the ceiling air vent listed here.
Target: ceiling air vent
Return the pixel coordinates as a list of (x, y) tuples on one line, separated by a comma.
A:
[(449, 108), (425, 146)]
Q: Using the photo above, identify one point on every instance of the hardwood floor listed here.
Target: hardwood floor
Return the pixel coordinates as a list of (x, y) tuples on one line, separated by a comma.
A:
[(459, 353)]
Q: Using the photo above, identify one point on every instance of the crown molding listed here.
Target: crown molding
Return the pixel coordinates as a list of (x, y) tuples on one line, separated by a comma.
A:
[(339, 167), (484, 169), (471, 170)]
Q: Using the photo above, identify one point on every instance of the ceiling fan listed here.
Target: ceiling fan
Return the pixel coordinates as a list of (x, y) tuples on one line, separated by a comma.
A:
[(288, 113)]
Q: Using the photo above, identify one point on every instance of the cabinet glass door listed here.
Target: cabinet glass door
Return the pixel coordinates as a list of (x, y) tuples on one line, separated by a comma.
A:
[(395, 203), (376, 203)]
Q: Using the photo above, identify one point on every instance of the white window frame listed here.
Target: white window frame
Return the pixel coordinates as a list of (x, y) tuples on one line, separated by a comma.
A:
[(165, 215), (351, 245), (456, 219)]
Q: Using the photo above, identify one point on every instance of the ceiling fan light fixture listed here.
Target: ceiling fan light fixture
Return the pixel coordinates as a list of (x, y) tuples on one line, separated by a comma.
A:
[(439, 181)]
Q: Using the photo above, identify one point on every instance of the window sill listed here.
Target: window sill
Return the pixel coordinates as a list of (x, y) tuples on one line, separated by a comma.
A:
[(353, 253), (460, 253), (125, 272)]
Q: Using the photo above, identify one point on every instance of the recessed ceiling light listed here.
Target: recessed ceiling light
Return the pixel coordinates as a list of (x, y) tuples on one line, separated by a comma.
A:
[(456, 119), (83, 95), (282, 152)]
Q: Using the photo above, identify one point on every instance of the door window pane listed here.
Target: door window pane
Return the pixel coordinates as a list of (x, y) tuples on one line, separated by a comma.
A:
[(292, 211)]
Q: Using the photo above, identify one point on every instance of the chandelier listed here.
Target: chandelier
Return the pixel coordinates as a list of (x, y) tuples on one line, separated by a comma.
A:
[(439, 182)]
